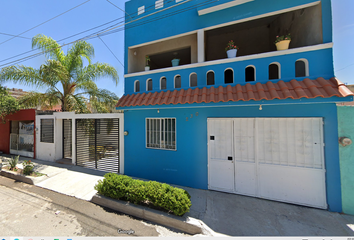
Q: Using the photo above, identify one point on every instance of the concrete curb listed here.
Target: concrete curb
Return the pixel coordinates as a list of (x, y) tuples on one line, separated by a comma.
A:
[(22, 178), (181, 223)]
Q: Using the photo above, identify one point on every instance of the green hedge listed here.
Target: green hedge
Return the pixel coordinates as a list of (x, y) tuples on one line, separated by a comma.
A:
[(158, 194)]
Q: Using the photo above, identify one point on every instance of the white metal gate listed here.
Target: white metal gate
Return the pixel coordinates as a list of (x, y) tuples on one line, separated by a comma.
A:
[(274, 158)]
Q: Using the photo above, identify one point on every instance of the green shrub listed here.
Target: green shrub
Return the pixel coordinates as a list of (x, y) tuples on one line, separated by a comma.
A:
[(27, 167), (158, 194)]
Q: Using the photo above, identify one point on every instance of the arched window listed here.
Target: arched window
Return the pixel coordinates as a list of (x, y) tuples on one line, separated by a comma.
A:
[(137, 86), (163, 83), (274, 71), (301, 68), (193, 80), (229, 76), (178, 83), (210, 78), (149, 85), (250, 74)]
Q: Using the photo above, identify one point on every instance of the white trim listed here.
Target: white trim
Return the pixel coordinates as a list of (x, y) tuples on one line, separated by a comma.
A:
[(135, 85), (190, 79), (279, 70), (207, 77), (264, 15), (307, 72), (121, 142), (222, 6), (160, 82), (174, 81), (233, 75), (254, 68), (147, 84), (237, 59)]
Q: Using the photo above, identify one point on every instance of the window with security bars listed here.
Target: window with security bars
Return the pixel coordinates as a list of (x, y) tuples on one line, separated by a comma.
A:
[(161, 133), (47, 130)]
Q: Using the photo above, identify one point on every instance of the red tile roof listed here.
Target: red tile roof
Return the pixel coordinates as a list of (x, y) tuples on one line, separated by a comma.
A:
[(267, 91)]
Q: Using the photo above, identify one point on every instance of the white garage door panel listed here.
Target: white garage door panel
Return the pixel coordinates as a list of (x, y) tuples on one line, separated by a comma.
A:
[(222, 177), (274, 158), (292, 184), (245, 178)]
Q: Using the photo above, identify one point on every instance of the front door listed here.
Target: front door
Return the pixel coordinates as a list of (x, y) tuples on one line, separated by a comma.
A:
[(67, 138), (221, 162)]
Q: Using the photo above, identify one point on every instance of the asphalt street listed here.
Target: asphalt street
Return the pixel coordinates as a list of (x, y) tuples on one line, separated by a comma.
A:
[(27, 210)]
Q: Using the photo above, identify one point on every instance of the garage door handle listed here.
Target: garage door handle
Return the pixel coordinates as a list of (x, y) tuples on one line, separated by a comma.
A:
[(229, 158)]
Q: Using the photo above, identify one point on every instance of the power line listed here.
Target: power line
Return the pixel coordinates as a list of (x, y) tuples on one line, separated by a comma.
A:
[(119, 8), (14, 35), (83, 32), (345, 67), (44, 22), (95, 35), (111, 51)]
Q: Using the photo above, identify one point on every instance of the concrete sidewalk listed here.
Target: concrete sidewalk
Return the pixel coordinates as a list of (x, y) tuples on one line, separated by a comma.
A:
[(229, 214)]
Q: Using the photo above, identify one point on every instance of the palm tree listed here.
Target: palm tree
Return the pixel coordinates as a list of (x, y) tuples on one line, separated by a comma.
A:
[(69, 83)]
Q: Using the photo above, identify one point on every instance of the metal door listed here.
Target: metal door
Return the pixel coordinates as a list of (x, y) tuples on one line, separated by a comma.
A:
[(274, 158), (221, 163), (67, 138), (97, 144)]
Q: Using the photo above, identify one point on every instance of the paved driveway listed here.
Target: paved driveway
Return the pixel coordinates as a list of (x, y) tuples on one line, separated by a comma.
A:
[(238, 215)]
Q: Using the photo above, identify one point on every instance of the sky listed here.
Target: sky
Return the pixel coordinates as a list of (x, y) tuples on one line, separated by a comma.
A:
[(18, 16)]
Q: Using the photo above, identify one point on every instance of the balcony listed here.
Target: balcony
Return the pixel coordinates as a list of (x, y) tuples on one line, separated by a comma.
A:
[(203, 59)]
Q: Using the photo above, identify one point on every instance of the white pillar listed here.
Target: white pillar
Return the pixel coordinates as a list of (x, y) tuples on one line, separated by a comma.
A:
[(201, 48), (73, 141), (121, 143)]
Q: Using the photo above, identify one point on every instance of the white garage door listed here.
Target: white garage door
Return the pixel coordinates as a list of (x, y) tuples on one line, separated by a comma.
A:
[(273, 158)]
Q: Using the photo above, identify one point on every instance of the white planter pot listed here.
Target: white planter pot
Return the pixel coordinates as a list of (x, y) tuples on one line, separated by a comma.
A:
[(147, 68), (283, 45), (231, 53)]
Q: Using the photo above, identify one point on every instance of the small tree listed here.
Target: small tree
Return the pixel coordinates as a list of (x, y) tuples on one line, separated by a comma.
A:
[(8, 104)]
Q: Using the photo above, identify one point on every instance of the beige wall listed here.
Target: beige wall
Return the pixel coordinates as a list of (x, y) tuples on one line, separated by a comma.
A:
[(136, 63)]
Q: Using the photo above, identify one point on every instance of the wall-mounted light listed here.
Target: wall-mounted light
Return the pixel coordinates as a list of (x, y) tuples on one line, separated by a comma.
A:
[(158, 110), (135, 53), (126, 133), (345, 141), (260, 107)]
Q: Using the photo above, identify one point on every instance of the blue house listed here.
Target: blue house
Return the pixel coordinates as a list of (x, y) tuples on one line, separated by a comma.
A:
[(262, 124)]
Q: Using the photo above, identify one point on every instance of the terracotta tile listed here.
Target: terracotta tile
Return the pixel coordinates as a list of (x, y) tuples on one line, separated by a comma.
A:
[(267, 91)]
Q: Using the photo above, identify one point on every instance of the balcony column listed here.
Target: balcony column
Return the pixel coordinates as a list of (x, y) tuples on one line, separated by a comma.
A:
[(201, 48)]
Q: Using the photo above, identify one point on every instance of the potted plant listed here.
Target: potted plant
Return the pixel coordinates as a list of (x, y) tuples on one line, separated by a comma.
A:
[(175, 62), (282, 42), (147, 66), (231, 49)]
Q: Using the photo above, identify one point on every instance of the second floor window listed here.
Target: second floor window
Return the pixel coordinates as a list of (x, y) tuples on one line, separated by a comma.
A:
[(193, 80), (149, 85), (229, 76), (274, 71), (178, 83), (163, 83), (250, 74), (137, 86), (301, 68), (210, 78)]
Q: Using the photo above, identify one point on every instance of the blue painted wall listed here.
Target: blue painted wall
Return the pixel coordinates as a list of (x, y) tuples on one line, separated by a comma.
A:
[(164, 24), (323, 68), (187, 165)]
